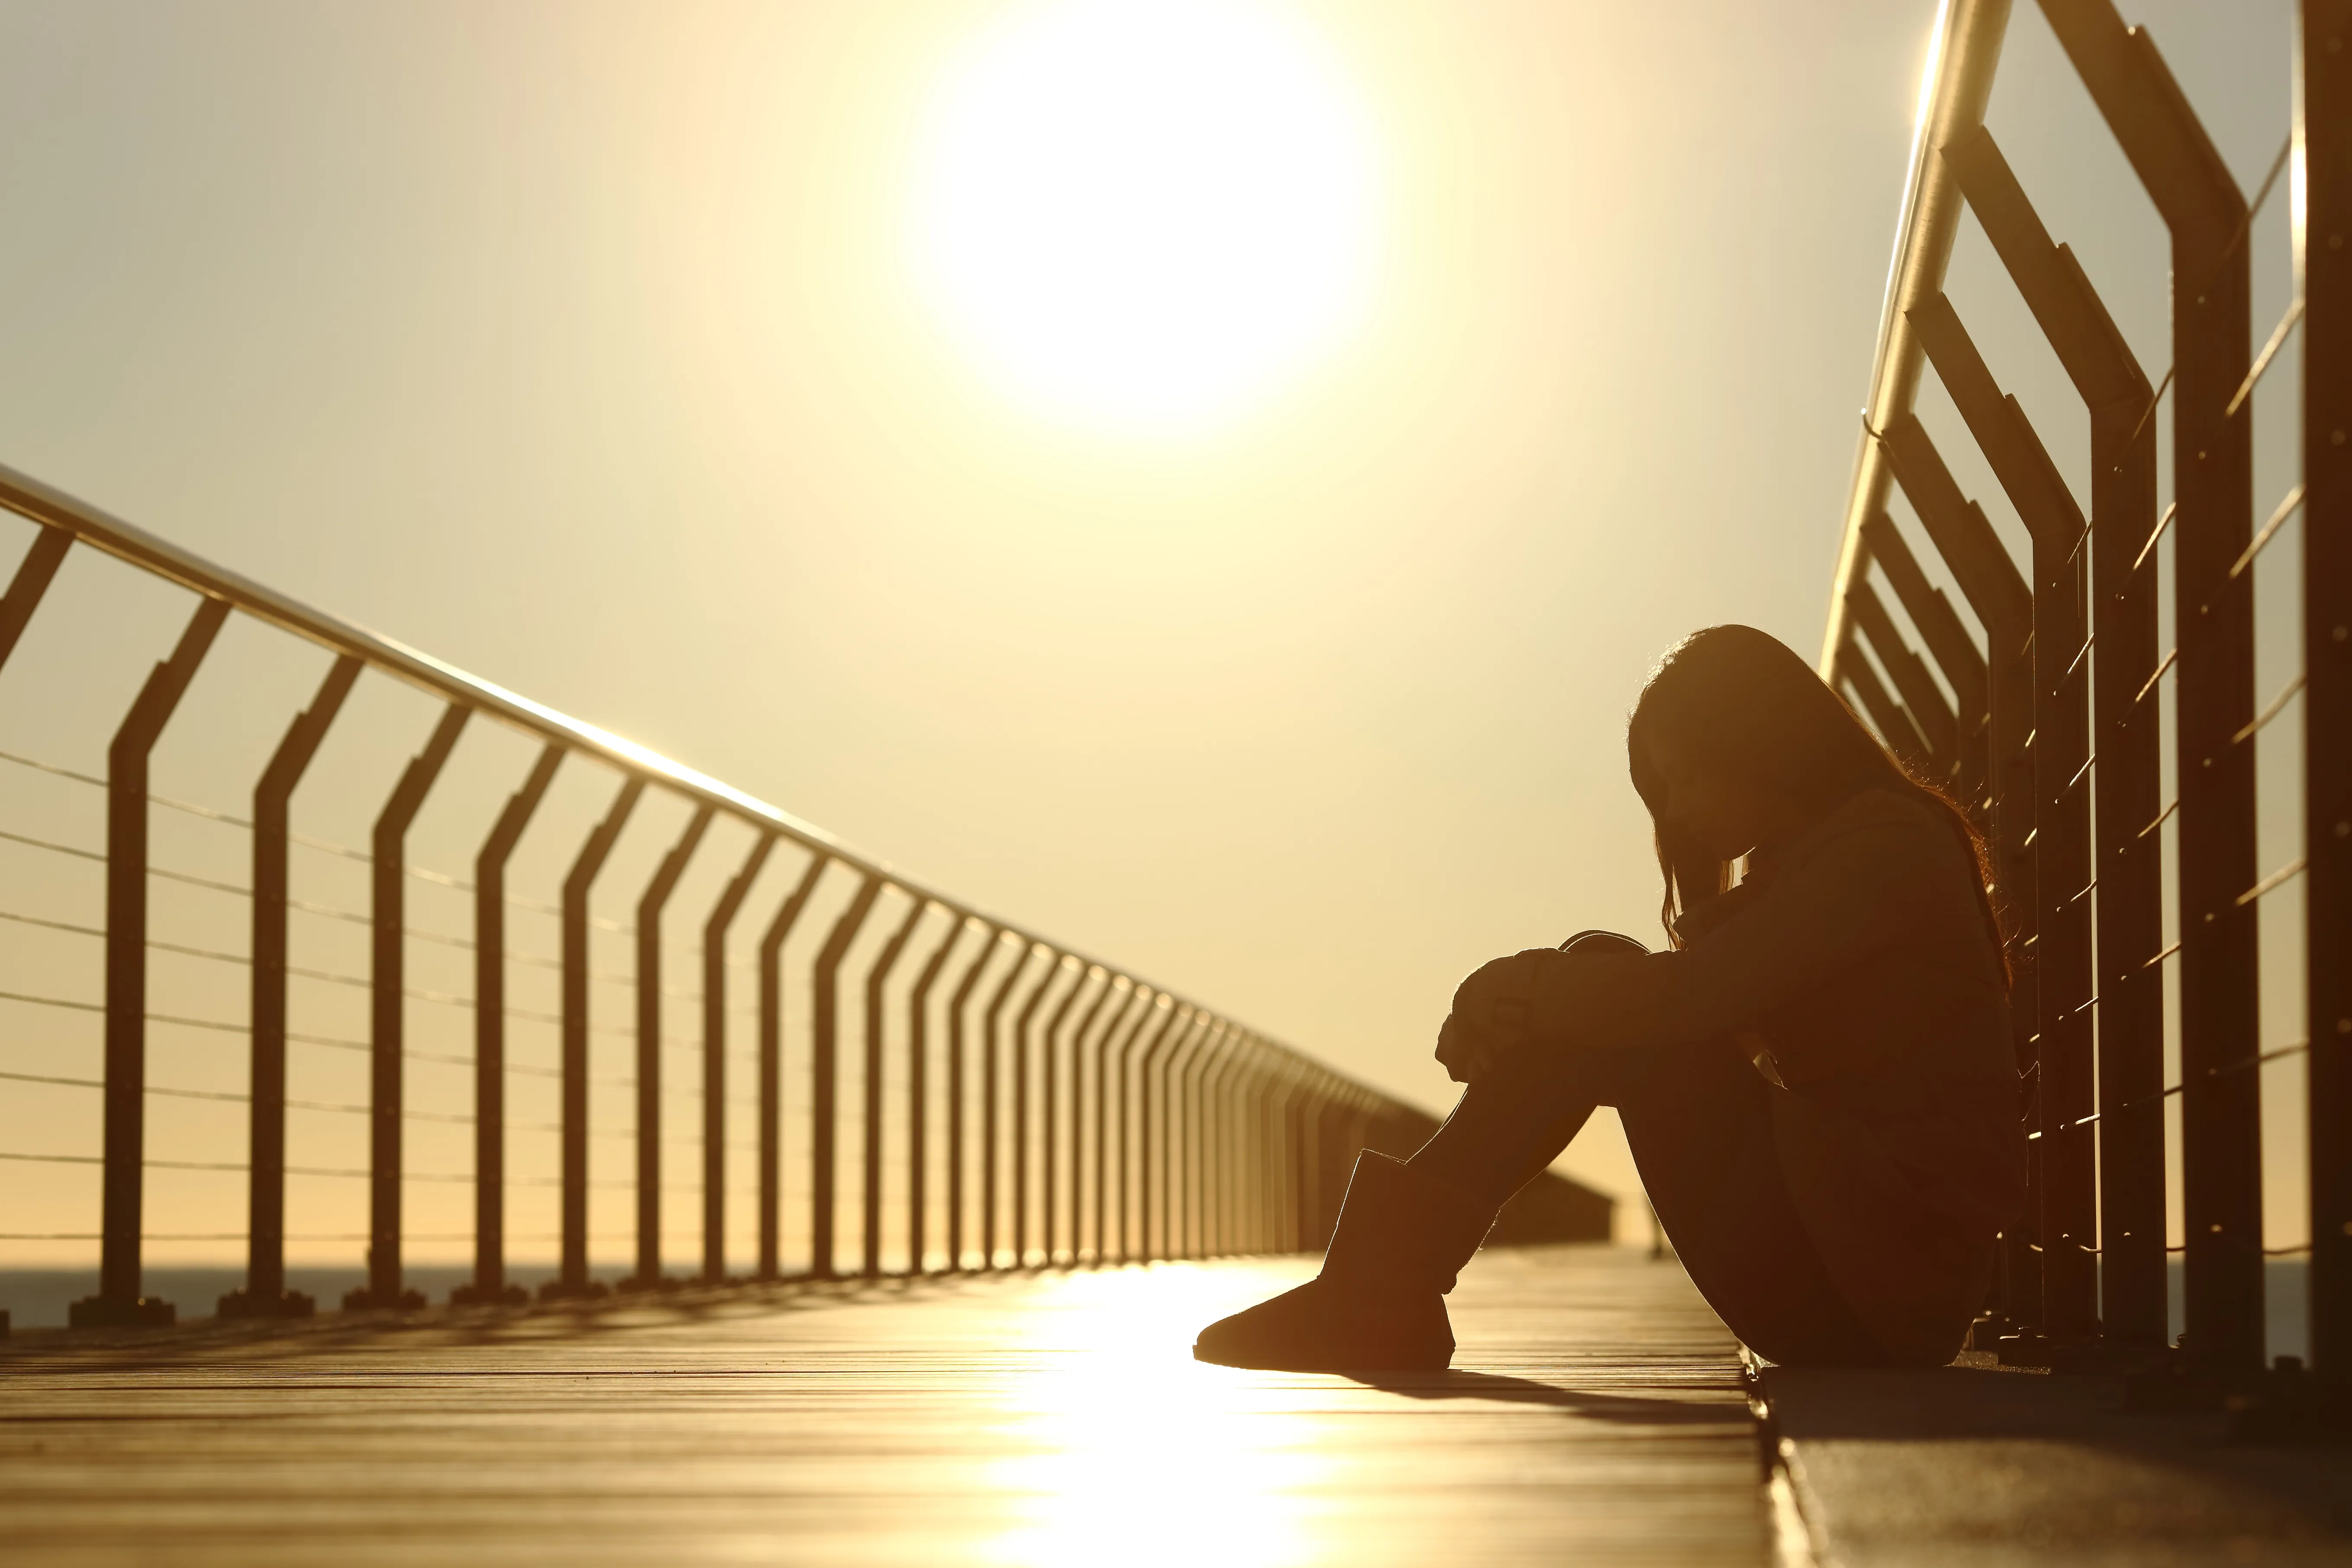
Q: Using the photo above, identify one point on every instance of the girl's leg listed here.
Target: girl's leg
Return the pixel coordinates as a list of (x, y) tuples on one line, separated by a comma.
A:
[(1700, 1127), (1699, 1122), (1512, 1123), (1405, 1228)]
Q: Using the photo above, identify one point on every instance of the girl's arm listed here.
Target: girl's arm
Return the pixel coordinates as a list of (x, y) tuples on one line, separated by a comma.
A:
[(1866, 888)]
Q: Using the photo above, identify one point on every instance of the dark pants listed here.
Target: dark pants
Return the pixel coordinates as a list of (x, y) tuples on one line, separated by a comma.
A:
[(1699, 1122)]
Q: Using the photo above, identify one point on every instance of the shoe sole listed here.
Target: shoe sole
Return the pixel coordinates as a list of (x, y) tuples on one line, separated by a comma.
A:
[(1382, 1365)]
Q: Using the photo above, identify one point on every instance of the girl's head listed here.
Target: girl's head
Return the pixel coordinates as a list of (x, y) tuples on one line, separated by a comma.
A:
[(1737, 743)]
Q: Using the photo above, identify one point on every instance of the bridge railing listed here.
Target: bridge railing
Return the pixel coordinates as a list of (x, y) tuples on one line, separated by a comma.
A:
[(2135, 666), (964, 1093)]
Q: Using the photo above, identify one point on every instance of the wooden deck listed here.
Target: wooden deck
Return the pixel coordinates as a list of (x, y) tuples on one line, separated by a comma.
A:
[(1057, 1419), (1980, 1465)]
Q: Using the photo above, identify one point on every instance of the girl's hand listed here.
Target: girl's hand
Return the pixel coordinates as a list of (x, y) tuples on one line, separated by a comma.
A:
[(1541, 993), (1492, 1013)]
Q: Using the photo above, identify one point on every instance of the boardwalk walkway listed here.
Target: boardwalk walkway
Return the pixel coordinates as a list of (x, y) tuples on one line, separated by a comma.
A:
[(1053, 1419)]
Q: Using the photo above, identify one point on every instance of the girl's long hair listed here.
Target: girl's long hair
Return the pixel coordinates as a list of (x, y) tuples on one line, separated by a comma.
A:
[(1742, 700)]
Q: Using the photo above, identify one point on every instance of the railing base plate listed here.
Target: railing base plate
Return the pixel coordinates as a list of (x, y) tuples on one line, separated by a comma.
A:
[(363, 1300), (489, 1296), (120, 1312), (242, 1303), (587, 1290), (2283, 1405)]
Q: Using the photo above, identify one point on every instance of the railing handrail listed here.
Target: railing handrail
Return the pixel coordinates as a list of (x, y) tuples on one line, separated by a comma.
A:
[(1957, 82), (42, 504), (60, 520), (2059, 732)]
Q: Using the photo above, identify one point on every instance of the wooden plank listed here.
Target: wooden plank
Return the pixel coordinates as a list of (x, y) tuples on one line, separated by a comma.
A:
[(1980, 1465), (1598, 1416)]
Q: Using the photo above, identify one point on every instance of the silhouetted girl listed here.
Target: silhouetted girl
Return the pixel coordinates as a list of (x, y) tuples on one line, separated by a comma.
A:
[(1816, 1076)]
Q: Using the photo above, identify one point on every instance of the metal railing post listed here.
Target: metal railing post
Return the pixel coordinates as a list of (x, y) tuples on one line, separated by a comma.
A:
[(1306, 1230), (1187, 1105), (2324, 140), (990, 939), (1214, 1173), (1220, 1170), (264, 1293), (990, 1099), (1954, 650), (1359, 1139), (1297, 1099), (488, 1285), (877, 976), (2213, 702), (1894, 721), (1305, 1227), (714, 1057), (1274, 1157), (1228, 1170), (1135, 1245), (571, 1276), (119, 1301), (1127, 1117), (1107, 1108), (1313, 1160), (1050, 1097), (824, 1065), (2003, 603), (1923, 702), (1176, 1125), (2127, 782), (1183, 1105), (648, 1275), (1273, 1151), (1333, 1126), (1199, 1119), (919, 1088), (1171, 1124), (771, 1064), (1244, 1086), (30, 583), (2065, 979), (1237, 1190), (1055, 961), (1081, 1035), (1308, 1193), (387, 997)]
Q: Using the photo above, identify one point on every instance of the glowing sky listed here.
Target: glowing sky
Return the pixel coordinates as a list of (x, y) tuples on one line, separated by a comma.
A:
[(670, 364)]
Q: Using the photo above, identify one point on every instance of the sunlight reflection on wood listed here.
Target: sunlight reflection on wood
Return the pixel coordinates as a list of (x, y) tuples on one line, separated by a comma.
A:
[(1596, 1415), (1131, 1421)]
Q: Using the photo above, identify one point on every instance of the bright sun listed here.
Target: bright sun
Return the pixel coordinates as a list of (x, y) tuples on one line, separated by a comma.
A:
[(1144, 215)]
